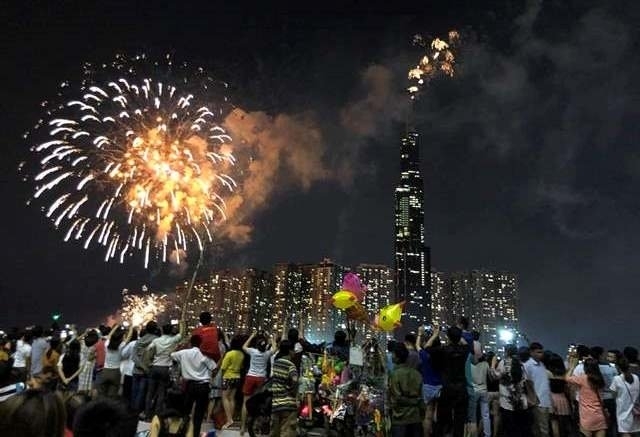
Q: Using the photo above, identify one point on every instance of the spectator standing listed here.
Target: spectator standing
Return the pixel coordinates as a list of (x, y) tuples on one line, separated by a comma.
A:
[(161, 349), (560, 405), (141, 366), (608, 397), (593, 422), (260, 357), (69, 366), (197, 370), (431, 380), (22, 358), (108, 382), (450, 361), (126, 368), (405, 396), (537, 373), (231, 369), (284, 388), (38, 349), (477, 377), (513, 402), (626, 388), (87, 361), (410, 341)]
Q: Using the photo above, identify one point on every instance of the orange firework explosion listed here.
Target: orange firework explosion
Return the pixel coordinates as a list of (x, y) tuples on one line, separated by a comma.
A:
[(136, 163), (439, 59)]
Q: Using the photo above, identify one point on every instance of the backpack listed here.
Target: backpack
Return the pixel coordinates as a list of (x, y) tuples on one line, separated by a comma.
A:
[(142, 357), (209, 345)]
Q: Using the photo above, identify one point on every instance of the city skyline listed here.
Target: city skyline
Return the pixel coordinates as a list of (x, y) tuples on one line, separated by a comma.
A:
[(528, 153), (244, 299)]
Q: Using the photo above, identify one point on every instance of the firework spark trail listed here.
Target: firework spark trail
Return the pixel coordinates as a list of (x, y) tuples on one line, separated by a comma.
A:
[(134, 163), (439, 59)]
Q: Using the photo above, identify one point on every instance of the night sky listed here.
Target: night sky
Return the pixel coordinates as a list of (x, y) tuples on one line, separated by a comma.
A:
[(530, 154)]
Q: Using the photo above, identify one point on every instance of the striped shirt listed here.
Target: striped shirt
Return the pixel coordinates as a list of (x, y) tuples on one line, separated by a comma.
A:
[(283, 385)]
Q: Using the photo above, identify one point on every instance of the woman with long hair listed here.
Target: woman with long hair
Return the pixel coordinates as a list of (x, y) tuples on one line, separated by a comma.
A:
[(231, 369), (108, 383), (593, 420), (560, 406), (626, 386), (69, 367)]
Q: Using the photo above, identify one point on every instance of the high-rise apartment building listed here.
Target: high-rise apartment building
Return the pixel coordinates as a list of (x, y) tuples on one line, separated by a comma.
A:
[(290, 293), (322, 319), (441, 299), (379, 282), (412, 257), (490, 300)]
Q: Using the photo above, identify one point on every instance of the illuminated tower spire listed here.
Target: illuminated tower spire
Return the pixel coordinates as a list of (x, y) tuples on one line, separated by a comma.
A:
[(412, 257)]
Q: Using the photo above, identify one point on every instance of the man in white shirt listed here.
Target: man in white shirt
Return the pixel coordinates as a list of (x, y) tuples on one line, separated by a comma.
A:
[(197, 370), (537, 374), (22, 358), (161, 348)]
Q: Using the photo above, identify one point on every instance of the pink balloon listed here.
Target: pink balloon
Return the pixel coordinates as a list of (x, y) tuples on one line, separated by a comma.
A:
[(351, 282)]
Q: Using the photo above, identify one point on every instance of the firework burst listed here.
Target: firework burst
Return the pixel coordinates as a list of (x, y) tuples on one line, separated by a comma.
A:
[(138, 310), (439, 59), (135, 162)]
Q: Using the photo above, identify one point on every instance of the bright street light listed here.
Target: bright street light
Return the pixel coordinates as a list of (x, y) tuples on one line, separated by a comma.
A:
[(506, 335)]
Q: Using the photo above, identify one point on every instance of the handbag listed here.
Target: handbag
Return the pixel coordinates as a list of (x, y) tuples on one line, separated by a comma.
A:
[(635, 410)]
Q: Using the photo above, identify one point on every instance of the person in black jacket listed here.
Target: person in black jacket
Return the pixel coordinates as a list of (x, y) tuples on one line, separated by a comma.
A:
[(451, 361)]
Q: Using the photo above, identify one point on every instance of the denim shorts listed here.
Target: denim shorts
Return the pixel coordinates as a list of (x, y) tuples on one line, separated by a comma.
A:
[(430, 392)]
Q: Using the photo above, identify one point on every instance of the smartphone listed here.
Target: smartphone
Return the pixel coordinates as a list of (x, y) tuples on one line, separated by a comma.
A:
[(63, 335), (125, 324), (175, 322)]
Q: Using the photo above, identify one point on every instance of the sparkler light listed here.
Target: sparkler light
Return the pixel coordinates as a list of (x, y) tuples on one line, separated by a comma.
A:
[(138, 310), (439, 59), (136, 163)]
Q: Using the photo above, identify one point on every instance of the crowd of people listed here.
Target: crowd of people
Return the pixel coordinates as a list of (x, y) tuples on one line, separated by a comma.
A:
[(106, 380)]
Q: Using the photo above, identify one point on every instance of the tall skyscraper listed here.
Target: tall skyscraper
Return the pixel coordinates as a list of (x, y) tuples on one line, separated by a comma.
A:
[(412, 257), (490, 300)]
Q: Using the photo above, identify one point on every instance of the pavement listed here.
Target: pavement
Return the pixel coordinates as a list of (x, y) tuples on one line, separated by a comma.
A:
[(206, 426)]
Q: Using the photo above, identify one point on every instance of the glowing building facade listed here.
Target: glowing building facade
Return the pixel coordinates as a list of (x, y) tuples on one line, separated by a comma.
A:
[(490, 300), (412, 257), (322, 319), (441, 299)]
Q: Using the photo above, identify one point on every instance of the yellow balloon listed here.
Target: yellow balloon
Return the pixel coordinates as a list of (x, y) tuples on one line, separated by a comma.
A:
[(389, 317), (343, 299)]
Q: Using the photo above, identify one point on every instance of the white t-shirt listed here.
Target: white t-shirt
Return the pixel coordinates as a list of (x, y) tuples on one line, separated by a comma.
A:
[(163, 346), (259, 360), (126, 365), (23, 352), (626, 395), (194, 365), (113, 358)]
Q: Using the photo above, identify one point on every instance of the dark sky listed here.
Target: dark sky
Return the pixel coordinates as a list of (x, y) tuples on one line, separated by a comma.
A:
[(530, 153)]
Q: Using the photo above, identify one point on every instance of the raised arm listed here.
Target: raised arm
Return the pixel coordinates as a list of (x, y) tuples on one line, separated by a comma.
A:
[(434, 335), (245, 346), (127, 337), (114, 328)]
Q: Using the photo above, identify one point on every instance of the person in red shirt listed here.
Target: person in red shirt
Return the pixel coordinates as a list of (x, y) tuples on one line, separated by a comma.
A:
[(211, 335)]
